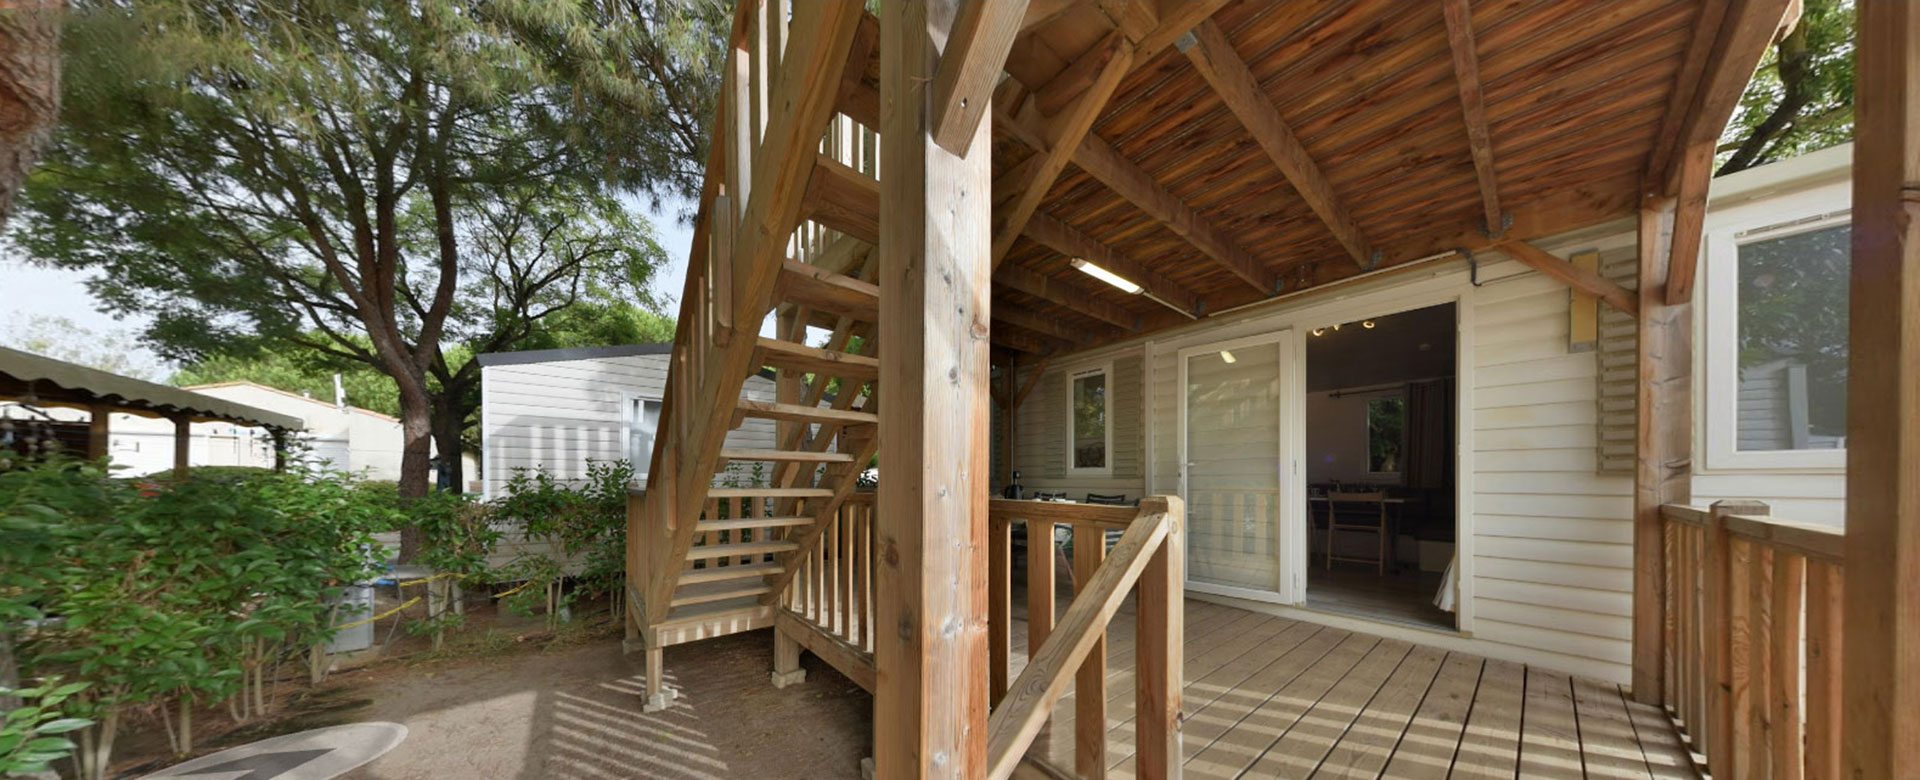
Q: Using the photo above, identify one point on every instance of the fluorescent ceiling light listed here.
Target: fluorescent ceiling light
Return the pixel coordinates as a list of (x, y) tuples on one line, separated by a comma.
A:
[(1227, 356), (1106, 276)]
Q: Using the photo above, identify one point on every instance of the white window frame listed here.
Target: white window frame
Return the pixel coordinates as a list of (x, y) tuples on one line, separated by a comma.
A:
[(628, 424), (1074, 375), (1815, 209)]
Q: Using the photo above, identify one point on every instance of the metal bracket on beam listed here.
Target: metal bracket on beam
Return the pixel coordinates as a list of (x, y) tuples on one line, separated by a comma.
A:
[(1185, 41), (1506, 221), (1139, 322), (1373, 261), (1200, 304), (1473, 268)]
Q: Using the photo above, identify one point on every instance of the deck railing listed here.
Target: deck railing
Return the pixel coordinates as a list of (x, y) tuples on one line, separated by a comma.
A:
[(1752, 639), (1148, 560), (827, 608)]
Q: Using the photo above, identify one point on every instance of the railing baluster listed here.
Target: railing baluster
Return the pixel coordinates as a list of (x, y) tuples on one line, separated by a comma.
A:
[(1760, 628), (1824, 610), (1040, 579), (1089, 686), (1789, 577), (1159, 647), (999, 605)]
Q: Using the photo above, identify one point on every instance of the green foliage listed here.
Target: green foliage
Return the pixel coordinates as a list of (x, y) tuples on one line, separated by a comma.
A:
[(182, 590), (1800, 99), (30, 735), (587, 523)]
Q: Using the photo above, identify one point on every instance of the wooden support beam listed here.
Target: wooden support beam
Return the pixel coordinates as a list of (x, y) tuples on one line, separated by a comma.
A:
[(970, 68), (1745, 33), (1063, 238), (1473, 108), (1881, 707), (1581, 279), (1213, 57), (98, 417), (182, 446), (1663, 443), (1028, 320), (1014, 337), (1105, 163), (1038, 285), (1039, 369), (1113, 59), (930, 706)]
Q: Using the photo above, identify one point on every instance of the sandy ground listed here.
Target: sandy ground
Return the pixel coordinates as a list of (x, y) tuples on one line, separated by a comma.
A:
[(575, 713)]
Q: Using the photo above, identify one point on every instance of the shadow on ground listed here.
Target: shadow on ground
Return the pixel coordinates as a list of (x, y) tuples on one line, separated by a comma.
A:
[(575, 713)]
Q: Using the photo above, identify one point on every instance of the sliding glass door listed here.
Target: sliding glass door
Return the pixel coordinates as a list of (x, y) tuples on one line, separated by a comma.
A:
[(1233, 455)]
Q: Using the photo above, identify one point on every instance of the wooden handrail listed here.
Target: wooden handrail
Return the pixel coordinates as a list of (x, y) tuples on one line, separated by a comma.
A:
[(1752, 641), (1149, 555)]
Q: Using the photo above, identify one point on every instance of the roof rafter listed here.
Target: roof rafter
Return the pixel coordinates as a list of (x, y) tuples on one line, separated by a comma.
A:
[(1062, 136), (1069, 241), (1213, 57), (970, 67), (1020, 279), (1579, 278), (1466, 71)]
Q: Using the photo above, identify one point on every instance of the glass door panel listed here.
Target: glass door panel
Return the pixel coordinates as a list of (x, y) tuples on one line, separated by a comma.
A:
[(1232, 475)]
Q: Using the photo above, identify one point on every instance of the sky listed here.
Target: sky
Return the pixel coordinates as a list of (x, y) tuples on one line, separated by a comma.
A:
[(27, 291)]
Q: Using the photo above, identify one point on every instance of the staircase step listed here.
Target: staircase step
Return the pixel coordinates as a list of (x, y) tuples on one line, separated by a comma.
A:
[(769, 492), (796, 456), (736, 550), (804, 414), (726, 573), (711, 619), (718, 591), (751, 522), (827, 291), (815, 360)]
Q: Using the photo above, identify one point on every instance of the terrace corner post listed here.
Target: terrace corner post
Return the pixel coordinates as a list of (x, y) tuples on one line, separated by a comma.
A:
[(931, 698), (182, 445), (1663, 437), (1881, 678)]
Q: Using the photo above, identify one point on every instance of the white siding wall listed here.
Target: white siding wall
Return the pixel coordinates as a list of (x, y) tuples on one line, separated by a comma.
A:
[(1041, 432), (559, 415)]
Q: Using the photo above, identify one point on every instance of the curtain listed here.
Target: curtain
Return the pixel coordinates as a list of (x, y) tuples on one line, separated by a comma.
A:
[(1430, 434)]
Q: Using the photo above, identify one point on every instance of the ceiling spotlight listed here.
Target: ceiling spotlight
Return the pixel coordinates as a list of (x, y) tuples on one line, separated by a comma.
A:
[(1227, 356), (1106, 276), (1336, 326), (1368, 324), (1319, 331)]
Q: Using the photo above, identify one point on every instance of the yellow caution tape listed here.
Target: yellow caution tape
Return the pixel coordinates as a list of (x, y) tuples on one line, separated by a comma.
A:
[(389, 613), (521, 587)]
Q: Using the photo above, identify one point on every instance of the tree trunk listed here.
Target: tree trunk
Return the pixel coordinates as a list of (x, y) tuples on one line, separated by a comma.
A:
[(448, 422), (29, 89), (416, 450)]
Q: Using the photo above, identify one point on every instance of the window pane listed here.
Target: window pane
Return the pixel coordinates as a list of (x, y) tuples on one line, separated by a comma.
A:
[(1090, 422), (1386, 420), (646, 416), (1793, 341)]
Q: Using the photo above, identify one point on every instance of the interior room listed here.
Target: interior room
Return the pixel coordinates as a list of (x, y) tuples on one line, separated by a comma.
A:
[(1380, 428)]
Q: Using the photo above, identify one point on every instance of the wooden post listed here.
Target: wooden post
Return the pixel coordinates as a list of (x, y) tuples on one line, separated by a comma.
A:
[(279, 448), (930, 708), (1663, 440), (786, 660), (1090, 682), (1722, 605), (182, 444), (1159, 650), (97, 439), (1881, 714), (999, 605)]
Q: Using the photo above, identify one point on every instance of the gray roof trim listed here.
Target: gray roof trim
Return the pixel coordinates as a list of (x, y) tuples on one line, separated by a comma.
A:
[(86, 386), (572, 353)]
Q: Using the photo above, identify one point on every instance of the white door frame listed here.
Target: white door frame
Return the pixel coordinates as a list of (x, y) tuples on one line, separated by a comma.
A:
[(1292, 490)]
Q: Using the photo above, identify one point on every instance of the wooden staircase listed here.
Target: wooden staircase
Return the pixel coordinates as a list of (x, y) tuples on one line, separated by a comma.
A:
[(725, 521)]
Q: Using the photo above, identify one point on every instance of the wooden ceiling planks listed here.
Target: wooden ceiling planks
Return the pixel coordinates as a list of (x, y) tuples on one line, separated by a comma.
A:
[(1574, 95)]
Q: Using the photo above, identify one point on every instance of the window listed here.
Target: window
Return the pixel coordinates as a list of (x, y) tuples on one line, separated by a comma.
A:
[(1090, 427), (1386, 428), (1776, 305), (640, 417), (1792, 341)]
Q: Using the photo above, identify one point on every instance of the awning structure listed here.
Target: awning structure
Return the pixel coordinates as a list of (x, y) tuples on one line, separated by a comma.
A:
[(42, 381)]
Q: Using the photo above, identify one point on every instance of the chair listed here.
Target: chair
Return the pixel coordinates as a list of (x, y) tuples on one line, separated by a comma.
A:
[(1112, 536), (1365, 512)]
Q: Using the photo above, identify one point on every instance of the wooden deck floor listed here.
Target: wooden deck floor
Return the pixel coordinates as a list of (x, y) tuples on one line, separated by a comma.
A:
[(1269, 697)]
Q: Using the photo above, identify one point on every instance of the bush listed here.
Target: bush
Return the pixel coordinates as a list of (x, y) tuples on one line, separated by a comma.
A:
[(587, 523), (186, 593)]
